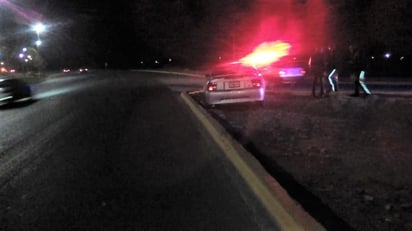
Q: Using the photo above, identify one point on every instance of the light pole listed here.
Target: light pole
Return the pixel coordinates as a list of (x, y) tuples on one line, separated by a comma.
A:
[(38, 28)]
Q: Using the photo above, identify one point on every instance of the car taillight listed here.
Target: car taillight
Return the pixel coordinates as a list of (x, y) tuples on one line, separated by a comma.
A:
[(256, 83), (211, 86)]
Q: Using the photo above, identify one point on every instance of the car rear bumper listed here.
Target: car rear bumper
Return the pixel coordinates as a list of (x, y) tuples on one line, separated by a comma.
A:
[(238, 96)]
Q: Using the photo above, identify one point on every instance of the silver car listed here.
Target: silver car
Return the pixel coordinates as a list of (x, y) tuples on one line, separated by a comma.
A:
[(234, 84)]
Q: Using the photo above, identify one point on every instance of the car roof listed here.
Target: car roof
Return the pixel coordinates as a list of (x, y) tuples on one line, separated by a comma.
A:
[(232, 69), (10, 79), (293, 60), (2, 78)]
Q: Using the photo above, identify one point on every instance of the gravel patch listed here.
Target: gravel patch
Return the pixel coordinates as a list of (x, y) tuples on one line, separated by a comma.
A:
[(352, 153)]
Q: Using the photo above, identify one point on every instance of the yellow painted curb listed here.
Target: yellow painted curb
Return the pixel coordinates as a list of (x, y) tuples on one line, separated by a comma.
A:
[(256, 177)]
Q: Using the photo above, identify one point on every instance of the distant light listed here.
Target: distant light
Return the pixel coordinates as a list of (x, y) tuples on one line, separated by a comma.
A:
[(24, 49), (388, 55), (402, 58), (21, 55), (38, 42), (372, 57), (170, 60), (2, 63)]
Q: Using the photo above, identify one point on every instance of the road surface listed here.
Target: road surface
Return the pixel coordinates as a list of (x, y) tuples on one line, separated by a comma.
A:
[(117, 151)]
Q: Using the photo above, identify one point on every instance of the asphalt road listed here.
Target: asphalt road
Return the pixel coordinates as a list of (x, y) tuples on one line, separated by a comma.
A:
[(117, 151), (122, 151)]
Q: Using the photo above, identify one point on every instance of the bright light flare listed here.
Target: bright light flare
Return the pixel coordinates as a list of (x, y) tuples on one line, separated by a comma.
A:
[(39, 28), (266, 53)]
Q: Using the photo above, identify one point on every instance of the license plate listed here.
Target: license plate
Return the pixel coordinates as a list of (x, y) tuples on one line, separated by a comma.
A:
[(234, 84)]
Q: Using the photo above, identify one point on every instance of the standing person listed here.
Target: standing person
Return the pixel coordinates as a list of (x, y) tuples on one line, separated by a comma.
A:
[(318, 65), (357, 65), (332, 70)]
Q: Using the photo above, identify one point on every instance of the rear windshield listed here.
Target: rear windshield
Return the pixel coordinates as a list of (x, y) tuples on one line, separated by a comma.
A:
[(292, 61), (232, 71)]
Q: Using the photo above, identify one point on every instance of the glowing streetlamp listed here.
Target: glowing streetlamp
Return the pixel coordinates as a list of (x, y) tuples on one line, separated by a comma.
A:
[(38, 28), (38, 42)]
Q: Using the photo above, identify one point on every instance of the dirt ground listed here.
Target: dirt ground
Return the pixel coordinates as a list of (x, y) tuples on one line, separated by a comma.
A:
[(353, 153)]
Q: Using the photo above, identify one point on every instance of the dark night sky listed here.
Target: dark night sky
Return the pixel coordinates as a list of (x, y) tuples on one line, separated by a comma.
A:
[(123, 32)]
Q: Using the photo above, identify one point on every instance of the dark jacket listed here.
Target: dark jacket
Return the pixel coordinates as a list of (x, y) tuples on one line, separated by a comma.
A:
[(319, 61), (357, 60)]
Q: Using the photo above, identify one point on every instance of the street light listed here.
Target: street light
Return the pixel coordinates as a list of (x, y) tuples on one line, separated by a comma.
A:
[(39, 28), (38, 42)]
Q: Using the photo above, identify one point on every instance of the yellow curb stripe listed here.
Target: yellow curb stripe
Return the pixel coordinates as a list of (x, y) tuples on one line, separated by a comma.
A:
[(264, 194)]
